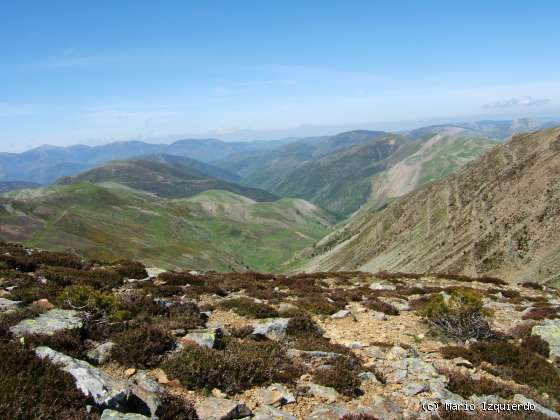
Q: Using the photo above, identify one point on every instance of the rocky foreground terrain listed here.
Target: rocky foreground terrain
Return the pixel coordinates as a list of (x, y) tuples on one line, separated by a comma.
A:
[(88, 340)]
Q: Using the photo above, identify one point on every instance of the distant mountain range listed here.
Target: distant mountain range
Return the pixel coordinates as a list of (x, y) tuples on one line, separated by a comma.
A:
[(46, 164), (250, 160), (498, 215)]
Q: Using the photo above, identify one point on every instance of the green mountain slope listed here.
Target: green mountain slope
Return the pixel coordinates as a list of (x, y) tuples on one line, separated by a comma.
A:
[(339, 182), (162, 179), (372, 172), (498, 215), (215, 230)]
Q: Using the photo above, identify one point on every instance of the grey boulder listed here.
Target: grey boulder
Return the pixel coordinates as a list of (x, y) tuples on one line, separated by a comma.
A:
[(273, 329), (221, 409), (93, 382), (49, 323), (117, 415)]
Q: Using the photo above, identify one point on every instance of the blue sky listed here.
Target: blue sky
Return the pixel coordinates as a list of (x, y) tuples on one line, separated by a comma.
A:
[(92, 72)]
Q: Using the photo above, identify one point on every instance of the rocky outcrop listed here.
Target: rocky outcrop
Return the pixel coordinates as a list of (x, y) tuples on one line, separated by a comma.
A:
[(549, 331), (276, 395), (273, 329), (49, 323), (266, 412), (204, 337), (101, 353), (117, 415), (93, 382), (7, 304), (221, 409)]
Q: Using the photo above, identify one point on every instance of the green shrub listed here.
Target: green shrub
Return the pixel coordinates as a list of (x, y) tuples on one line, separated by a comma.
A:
[(86, 298), (532, 285), (303, 326), (461, 317), (249, 308), (141, 347), (543, 312), (376, 304), (131, 269), (512, 362), (32, 388), (241, 365), (175, 408), (67, 342), (537, 345), (465, 386), (242, 332), (342, 376), (318, 305), (320, 344)]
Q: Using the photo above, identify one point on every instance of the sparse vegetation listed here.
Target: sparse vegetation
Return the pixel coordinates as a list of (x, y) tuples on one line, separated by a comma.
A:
[(511, 361), (460, 316), (342, 376), (249, 308), (141, 347), (239, 366), (32, 388)]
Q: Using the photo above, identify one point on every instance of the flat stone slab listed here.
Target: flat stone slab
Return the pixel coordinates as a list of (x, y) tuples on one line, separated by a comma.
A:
[(273, 329), (49, 323), (207, 337), (7, 304), (117, 415), (266, 412), (221, 409), (93, 382)]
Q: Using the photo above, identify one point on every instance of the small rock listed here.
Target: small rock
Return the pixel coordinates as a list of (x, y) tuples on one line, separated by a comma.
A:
[(343, 313), (101, 354), (382, 286), (375, 352), (266, 412), (276, 395), (43, 304), (154, 272), (286, 307), (273, 329), (207, 337), (147, 390), (385, 409), (459, 361), (49, 323), (218, 394), (221, 409), (413, 388), (323, 392), (117, 415), (379, 316), (160, 376), (7, 304), (368, 376), (178, 332), (328, 412), (400, 304), (129, 372), (397, 353)]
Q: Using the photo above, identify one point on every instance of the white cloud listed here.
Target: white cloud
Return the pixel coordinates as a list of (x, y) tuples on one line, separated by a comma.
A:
[(525, 101)]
